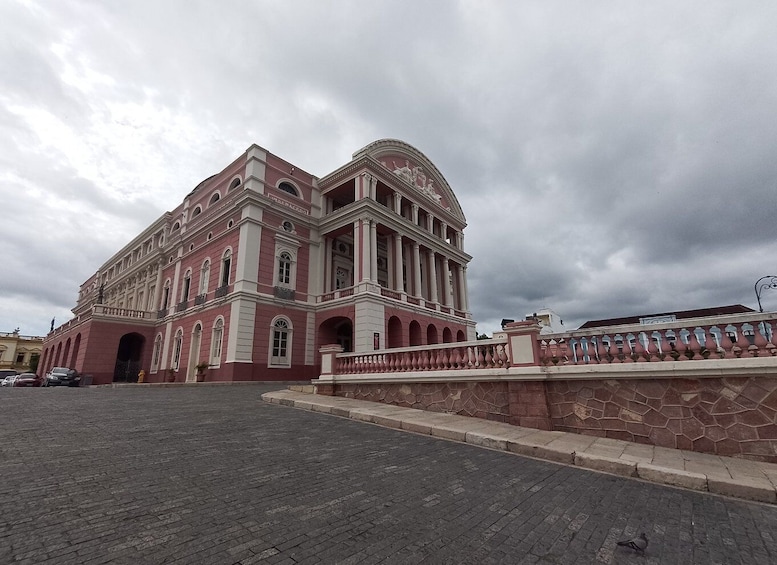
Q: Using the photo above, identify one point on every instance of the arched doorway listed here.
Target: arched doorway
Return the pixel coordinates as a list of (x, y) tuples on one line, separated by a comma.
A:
[(337, 330), (194, 353), (128, 358), (415, 334), (431, 335), (447, 335), (461, 336), (394, 332)]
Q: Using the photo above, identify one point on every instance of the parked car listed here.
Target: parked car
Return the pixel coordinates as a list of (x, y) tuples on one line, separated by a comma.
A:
[(62, 376), (8, 379), (7, 373), (28, 379)]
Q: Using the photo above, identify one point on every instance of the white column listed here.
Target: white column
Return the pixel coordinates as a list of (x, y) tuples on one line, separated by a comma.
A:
[(433, 296), (327, 264), (357, 251), (444, 231), (414, 208), (464, 291), (373, 187), (400, 287), (430, 222), (446, 282), (398, 203), (417, 270), (461, 284), (373, 250)]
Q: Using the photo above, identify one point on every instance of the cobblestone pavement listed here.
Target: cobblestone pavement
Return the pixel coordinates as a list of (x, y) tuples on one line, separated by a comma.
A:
[(214, 475)]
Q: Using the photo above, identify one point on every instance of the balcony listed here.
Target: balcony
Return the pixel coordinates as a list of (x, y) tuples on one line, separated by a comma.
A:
[(221, 291), (200, 299), (181, 306), (284, 293)]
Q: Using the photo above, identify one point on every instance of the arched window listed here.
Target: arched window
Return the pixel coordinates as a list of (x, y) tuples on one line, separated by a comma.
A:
[(284, 268), (197, 211), (157, 354), (216, 341), (234, 184), (166, 296), (204, 276), (176, 226), (280, 343), (288, 187), (177, 346), (187, 283), (215, 198), (226, 265)]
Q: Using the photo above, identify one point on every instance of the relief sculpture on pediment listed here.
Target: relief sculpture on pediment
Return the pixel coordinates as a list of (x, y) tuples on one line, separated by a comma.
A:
[(416, 177)]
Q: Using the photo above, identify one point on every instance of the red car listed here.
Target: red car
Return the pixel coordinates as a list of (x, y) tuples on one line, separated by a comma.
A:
[(28, 379)]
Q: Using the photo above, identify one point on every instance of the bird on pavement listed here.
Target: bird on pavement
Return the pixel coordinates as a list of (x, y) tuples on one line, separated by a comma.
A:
[(638, 543)]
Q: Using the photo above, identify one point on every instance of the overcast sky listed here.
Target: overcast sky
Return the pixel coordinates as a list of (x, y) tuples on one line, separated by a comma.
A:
[(611, 158)]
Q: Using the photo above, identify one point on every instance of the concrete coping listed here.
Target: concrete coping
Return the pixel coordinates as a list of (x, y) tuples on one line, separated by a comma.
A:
[(739, 478)]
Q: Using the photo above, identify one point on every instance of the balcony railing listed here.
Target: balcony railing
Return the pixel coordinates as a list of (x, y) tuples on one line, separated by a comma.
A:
[(222, 291), (284, 293), (181, 306), (200, 299)]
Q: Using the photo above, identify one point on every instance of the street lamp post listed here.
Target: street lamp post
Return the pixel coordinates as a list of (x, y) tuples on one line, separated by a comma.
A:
[(760, 287)]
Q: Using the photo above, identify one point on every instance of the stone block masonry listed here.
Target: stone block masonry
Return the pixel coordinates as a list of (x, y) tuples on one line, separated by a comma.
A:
[(735, 416)]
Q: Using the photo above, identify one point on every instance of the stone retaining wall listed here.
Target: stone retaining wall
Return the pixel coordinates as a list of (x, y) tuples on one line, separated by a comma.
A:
[(725, 416)]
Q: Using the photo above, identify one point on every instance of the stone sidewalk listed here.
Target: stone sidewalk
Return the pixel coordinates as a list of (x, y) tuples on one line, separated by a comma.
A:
[(728, 476)]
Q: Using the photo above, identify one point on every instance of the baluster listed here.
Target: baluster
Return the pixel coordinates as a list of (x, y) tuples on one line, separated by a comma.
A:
[(760, 341), (652, 349), (639, 350), (694, 347), (772, 345), (710, 345), (503, 360), (480, 359), (743, 344), (589, 351), (602, 351), (446, 358), (488, 360), (727, 345), (563, 350), (543, 352), (455, 359), (471, 357), (680, 348)]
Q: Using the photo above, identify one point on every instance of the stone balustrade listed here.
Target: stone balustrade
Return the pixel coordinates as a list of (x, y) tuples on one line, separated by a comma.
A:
[(707, 385), (484, 354), (727, 337)]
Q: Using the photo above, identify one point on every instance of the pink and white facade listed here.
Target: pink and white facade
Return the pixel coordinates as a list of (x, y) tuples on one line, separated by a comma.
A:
[(264, 263)]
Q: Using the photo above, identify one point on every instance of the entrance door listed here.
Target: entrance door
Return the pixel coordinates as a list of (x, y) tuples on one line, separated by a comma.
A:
[(194, 354), (128, 358)]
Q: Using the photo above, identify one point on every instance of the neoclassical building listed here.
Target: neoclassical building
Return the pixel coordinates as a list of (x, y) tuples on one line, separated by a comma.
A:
[(17, 351), (263, 263)]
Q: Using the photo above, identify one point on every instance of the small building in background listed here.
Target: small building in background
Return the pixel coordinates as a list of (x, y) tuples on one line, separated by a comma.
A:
[(18, 351), (663, 317)]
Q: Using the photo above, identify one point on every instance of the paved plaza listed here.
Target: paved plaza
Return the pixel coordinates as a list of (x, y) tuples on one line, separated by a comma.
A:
[(214, 475)]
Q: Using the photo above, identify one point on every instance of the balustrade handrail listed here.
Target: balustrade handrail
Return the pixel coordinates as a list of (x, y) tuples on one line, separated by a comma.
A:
[(449, 345), (708, 321), (457, 356), (693, 339)]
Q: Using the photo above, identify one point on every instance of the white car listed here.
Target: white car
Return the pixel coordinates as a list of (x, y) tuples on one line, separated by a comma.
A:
[(9, 380)]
